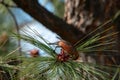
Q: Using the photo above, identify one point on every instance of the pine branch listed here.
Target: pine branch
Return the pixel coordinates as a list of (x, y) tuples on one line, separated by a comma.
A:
[(52, 22)]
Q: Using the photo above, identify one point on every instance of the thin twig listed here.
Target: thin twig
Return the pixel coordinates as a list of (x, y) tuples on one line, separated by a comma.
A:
[(17, 27)]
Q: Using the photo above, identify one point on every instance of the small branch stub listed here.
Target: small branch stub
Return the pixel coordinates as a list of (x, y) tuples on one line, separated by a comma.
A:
[(34, 53), (67, 51)]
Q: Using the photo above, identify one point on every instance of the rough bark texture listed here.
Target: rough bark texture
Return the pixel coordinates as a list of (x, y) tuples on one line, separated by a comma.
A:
[(88, 14), (55, 24)]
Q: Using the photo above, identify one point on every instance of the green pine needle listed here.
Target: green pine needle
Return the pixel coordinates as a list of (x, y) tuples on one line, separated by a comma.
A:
[(49, 68)]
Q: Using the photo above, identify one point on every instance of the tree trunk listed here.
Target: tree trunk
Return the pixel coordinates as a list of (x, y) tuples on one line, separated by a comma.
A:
[(87, 15)]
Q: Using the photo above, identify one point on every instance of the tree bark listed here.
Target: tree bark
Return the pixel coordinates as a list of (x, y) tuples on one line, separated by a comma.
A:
[(87, 15), (52, 22)]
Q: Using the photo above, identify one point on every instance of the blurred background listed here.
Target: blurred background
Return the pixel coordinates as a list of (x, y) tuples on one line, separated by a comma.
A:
[(20, 20)]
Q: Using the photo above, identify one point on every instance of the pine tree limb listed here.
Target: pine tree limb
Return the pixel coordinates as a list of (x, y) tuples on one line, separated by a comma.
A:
[(52, 22)]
